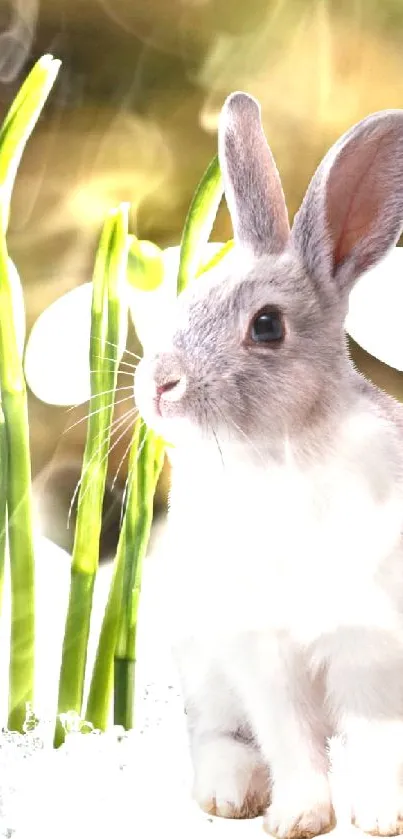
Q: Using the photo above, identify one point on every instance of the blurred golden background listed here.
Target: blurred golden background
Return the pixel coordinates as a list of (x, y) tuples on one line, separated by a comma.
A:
[(133, 117)]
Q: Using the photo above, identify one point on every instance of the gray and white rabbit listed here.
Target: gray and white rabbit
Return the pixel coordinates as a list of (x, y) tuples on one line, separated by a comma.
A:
[(285, 579)]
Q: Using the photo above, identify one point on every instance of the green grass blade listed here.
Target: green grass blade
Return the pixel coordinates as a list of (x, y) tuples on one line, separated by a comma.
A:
[(99, 699), (199, 223), (138, 519), (14, 134), (145, 272), (20, 122), (19, 503), (100, 693), (108, 298), (207, 266), (3, 498)]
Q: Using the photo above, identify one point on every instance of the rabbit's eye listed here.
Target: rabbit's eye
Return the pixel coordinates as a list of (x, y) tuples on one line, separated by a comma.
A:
[(266, 326)]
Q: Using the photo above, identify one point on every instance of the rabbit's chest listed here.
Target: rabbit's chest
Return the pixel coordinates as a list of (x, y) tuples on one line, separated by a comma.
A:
[(284, 549)]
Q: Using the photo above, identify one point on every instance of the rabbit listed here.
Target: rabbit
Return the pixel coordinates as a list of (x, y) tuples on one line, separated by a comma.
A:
[(284, 580)]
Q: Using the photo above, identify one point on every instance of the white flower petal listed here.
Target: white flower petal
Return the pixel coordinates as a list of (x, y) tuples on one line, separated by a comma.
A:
[(374, 317), (57, 354), (57, 365)]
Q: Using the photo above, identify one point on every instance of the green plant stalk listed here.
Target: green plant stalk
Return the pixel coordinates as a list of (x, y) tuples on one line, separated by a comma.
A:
[(124, 686), (106, 318), (20, 122), (14, 134), (226, 248), (19, 503), (99, 699), (199, 222), (100, 692), (98, 704), (138, 521), (3, 498)]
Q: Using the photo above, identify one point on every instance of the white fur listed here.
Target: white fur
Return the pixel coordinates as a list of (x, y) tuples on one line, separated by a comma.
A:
[(291, 548), (284, 594), (225, 772)]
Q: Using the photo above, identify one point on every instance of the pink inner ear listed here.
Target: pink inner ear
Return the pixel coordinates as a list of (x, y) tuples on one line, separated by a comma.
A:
[(359, 187)]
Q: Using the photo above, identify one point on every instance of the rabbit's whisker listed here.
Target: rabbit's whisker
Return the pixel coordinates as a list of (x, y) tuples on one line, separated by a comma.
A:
[(112, 344), (133, 466), (120, 372), (102, 408), (108, 358), (127, 419), (230, 421), (124, 455), (103, 392), (218, 447)]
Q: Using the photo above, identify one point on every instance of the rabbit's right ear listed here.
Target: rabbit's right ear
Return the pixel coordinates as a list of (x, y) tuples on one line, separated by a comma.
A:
[(252, 185), (352, 213)]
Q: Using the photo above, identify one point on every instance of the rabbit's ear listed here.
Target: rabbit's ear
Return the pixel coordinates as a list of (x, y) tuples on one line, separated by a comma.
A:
[(252, 185), (352, 213)]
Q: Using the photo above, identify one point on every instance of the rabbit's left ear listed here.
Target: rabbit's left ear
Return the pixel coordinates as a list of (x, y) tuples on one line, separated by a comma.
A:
[(352, 213), (252, 185)]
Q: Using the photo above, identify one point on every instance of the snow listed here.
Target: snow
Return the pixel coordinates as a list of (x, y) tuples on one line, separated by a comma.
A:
[(135, 784)]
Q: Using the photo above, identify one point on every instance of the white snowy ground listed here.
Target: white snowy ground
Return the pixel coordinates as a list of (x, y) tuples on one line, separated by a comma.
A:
[(97, 787)]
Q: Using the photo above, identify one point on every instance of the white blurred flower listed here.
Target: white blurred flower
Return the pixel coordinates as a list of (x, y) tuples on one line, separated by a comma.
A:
[(57, 366), (374, 317)]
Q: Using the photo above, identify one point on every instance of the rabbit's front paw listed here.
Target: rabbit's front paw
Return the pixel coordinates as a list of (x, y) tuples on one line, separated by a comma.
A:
[(379, 815), (230, 779), (300, 809)]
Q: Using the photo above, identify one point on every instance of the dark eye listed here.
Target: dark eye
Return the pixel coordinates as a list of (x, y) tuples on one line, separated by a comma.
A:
[(266, 326)]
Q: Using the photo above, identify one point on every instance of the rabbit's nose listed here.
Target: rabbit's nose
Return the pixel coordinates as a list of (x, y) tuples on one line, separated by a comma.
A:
[(167, 386), (170, 390)]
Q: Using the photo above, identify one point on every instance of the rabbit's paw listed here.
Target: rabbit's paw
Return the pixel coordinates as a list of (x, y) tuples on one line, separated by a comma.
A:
[(230, 779), (379, 815), (300, 810)]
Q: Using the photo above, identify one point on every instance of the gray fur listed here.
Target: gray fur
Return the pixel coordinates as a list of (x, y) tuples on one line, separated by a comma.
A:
[(252, 185), (279, 388)]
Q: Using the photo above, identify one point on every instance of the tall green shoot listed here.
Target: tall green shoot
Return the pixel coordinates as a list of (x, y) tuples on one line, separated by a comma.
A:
[(109, 296), (14, 134)]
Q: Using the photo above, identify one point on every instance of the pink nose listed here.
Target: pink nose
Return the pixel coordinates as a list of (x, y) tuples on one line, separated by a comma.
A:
[(164, 388), (172, 386)]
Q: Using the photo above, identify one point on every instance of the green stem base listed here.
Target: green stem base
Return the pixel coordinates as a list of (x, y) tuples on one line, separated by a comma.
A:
[(124, 692)]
